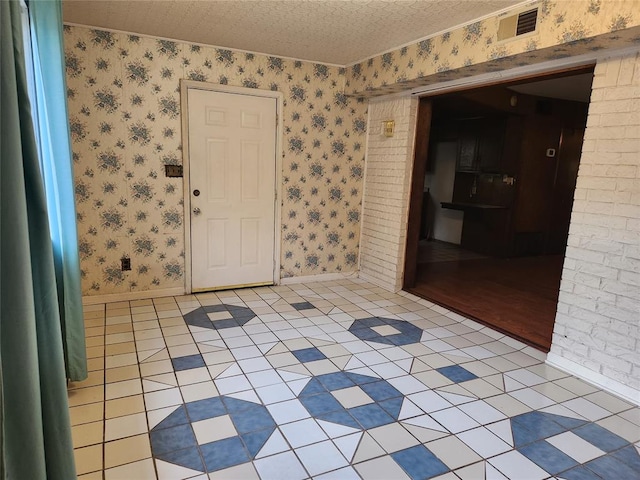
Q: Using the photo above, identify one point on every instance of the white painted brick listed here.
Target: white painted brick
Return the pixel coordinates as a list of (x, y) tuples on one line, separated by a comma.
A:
[(581, 319), (617, 313), (618, 106), (623, 263), (617, 145), (572, 299), (625, 236), (624, 210), (593, 293), (615, 171), (585, 255), (621, 93), (630, 278), (596, 183), (619, 119), (600, 158), (612, 338), (387, 187), (628, 380), (627, 67), (616, 364), (600, 245)]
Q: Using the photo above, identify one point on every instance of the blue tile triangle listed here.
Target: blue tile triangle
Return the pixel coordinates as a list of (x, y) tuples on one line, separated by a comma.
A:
[(188, 458), (178, 417), (255, 441), (393, 406)]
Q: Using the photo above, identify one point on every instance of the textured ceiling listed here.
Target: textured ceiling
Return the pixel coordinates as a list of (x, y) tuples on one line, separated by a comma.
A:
[(328, 31)]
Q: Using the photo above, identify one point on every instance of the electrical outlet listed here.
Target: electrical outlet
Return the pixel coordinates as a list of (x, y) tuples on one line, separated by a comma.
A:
[(125, 264)]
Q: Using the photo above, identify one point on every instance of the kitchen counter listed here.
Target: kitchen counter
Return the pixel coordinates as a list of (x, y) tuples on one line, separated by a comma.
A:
[(471, 206), (484, 227)]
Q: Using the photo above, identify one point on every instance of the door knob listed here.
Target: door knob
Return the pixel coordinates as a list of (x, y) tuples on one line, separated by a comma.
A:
[(196, 211)]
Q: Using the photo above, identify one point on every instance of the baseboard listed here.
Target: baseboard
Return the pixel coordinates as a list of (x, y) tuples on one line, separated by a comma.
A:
[(379, 283), (128, 296), (323, 277), (602, 381)]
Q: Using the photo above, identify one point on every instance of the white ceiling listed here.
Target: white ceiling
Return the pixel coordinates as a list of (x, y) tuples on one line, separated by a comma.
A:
[(339, 32), (576, 88)]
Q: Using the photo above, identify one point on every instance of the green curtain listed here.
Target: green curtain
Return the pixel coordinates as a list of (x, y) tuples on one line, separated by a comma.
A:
[(55, 161), (35, 432)]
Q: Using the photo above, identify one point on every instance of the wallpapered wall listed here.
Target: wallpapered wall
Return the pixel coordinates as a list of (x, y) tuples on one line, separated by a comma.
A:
[(124, 109), (565, 27)]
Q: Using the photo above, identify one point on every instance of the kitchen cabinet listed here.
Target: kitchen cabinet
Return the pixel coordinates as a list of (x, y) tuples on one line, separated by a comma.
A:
[(480, 145)]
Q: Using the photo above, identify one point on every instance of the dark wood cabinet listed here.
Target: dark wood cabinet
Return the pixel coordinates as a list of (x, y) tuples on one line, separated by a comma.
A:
[(480, 145)]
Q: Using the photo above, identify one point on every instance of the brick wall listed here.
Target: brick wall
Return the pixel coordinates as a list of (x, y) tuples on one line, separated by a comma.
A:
[(597, 330), (386, 191)]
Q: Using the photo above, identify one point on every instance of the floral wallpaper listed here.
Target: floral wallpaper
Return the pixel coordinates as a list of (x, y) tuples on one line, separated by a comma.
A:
[(565, 27), (124, 109)]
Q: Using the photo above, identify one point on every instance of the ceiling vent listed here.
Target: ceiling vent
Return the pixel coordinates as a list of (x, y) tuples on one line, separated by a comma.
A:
[(517, 25)]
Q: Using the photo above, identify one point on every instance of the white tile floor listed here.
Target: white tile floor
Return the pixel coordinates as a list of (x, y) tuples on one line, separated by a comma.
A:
[(339, 380)]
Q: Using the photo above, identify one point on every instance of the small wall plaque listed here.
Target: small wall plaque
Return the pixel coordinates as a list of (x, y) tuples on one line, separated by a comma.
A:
[(388, 127)]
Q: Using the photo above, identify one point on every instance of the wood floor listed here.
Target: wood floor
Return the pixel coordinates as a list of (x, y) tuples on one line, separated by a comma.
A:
[(516, 296)]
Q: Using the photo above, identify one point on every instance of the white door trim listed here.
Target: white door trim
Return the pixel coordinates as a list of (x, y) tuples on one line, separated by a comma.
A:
[(185, 85)]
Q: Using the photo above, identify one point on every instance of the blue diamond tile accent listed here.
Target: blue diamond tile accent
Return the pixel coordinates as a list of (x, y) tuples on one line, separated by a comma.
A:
[(234, 405), (253, 419), (579, 473), (630, 456), (207, 408), (548, 457), (363, 329), (532, 426), (188, 458), (335, 381), (254, 441), (393, 406), (308, 354), (340, 417), (380, 390), (456, 373), (600, 437), (167, 439), (313, 387), (178, 417), (226, 323), (198, 318), (359, 379), (177, 443), (239, 316), (399, 340), (321, 403), (419, 463), (609, 467), (188, 362), (302, 306), (371, 416), (224, 454), (566, 422)]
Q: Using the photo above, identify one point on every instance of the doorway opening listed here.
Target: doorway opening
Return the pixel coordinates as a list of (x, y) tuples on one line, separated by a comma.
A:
[(495, 171)]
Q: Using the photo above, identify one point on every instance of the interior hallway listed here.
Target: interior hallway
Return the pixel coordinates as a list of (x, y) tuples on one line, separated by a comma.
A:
[(335, 380)]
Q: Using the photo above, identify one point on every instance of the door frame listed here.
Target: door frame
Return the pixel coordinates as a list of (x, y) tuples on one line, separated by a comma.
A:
[(185, 86)]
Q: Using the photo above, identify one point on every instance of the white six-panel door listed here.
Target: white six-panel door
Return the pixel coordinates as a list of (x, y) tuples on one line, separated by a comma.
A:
[(232, 163)]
